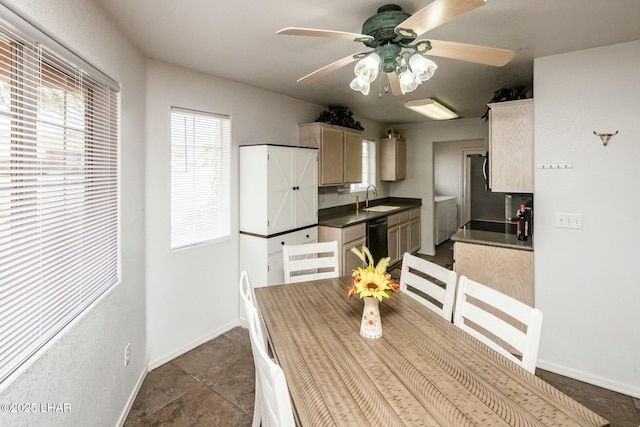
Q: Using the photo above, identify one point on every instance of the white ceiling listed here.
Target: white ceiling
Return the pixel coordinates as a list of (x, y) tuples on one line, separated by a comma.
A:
[(236, 39)]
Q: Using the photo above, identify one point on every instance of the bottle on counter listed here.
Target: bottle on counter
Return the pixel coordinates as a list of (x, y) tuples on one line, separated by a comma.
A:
[(357, 205), (522, 230)]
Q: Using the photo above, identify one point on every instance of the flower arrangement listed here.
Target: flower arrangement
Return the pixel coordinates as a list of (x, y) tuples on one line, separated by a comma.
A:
[(373, 280)]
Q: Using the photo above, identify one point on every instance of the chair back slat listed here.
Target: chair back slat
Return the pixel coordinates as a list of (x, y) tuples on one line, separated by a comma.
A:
[(310, 261), (481, 311), (430, 284)]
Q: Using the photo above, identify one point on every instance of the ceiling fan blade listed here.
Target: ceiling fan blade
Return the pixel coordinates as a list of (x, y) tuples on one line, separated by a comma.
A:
[(437, 13), (329, 68), (342, 35), (471, 53), (394, 84)]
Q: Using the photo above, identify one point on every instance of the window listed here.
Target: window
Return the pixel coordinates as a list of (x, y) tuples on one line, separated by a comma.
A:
[(368, 166), (58, 190), (200, 171)]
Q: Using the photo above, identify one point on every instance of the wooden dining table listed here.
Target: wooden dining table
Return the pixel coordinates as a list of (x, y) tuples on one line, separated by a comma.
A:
[(423, 371)]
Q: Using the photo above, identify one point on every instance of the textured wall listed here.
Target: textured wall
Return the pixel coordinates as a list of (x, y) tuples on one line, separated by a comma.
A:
[(587, 280), (83, 365), (193, 292)]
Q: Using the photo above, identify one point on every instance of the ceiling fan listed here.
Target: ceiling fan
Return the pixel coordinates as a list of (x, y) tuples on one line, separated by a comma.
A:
[(392, 33)]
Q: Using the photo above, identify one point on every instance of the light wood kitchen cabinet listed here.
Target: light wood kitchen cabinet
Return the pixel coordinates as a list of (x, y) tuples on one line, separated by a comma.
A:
[(509, 271), (340, 152), (347, 238), (392, 154), (511, 146), (414, 230), (403, 234)]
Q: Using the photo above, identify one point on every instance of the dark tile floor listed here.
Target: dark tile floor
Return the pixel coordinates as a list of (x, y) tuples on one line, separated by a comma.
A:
[(212, 385)]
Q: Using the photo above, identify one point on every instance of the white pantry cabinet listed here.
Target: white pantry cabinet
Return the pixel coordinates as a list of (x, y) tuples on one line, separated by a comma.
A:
[(278, 188), (278, 206)]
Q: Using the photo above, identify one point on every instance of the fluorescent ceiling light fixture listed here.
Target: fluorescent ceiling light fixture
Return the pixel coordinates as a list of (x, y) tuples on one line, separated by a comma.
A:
[(431, 108)]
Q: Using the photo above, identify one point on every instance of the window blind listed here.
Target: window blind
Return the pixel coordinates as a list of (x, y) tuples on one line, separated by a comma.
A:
[(368, 166), (58, 193), (200, 177)]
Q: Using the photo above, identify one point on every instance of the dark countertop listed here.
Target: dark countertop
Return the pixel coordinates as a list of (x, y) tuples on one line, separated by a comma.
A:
[(345, 215), (491, 238)]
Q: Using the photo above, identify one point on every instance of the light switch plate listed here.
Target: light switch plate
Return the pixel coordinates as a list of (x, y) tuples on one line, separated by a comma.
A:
[(569, 220)]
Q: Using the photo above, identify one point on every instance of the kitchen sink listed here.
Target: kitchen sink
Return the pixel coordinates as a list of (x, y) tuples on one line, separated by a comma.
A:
[(381, 208)]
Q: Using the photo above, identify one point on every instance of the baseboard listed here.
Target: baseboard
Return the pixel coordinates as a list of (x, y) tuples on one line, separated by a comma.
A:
[(132, 397), (188, 347), (628, 389)]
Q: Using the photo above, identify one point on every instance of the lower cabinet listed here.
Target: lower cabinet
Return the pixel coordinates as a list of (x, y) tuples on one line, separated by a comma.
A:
[(261, 257), (403, 234), (347, 238), (509, 271)]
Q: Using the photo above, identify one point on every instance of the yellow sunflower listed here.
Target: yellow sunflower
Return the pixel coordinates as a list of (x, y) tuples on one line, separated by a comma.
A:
[(372, 281)]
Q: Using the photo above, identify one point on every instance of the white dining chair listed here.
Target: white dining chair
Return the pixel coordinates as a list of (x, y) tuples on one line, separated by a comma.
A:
[(473, 304), (430, 284), (276, 407), (248, 305), (310, 261)]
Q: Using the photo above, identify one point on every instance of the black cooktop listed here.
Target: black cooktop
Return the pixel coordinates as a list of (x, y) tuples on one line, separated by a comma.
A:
[(494, 226)]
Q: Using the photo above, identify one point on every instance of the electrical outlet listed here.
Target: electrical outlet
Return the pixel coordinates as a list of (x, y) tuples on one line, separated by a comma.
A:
[(127, 355)]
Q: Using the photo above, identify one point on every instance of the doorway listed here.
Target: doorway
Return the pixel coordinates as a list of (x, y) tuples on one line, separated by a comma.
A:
[(451, 176)]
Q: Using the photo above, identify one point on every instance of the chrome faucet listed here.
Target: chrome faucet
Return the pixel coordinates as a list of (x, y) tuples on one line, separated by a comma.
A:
[(375, 193)]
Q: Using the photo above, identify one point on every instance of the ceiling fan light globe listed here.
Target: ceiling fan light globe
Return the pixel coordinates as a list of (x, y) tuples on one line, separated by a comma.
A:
[(368, 67), (360, 85), (408, 82), (422, 67)]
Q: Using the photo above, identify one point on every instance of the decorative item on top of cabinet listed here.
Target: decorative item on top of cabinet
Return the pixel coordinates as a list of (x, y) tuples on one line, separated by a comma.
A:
[(511, 146), (340, 154), (392, 159)]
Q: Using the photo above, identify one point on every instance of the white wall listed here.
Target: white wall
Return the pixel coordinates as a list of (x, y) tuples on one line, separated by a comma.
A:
[(586, 280), (419, 183), (83, 365), (192, 294)]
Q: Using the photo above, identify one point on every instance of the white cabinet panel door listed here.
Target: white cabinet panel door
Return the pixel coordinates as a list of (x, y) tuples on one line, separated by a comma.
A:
[(280, 203), (305, 182)]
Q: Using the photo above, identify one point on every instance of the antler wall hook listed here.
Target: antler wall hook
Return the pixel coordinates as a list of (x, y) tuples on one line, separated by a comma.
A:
[(605, 137)]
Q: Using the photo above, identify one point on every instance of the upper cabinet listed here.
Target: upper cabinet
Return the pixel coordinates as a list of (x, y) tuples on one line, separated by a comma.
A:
[(392, 159), (511, 146), (278, 188), (340, 152)]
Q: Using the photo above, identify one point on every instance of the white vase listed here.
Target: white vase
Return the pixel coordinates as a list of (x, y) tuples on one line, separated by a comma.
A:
[(371, 326)]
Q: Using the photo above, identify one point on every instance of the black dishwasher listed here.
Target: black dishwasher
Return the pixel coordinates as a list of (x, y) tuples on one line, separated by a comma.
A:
[(377, 238)]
